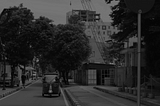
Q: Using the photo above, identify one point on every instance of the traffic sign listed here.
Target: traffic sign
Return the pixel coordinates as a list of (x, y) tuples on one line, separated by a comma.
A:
[(136, 5)]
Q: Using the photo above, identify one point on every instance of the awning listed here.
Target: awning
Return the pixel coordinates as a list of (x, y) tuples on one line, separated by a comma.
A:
[(27, 67)]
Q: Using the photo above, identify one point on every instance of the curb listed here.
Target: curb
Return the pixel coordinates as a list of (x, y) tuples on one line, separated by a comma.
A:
[(72, 100), (12, 91), (126, 97)]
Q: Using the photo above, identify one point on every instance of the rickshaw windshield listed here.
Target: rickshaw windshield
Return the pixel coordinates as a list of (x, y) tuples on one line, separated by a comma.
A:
[(50, 78)]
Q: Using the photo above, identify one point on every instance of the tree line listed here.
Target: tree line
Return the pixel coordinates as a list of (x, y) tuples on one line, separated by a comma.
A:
[(24, 38)]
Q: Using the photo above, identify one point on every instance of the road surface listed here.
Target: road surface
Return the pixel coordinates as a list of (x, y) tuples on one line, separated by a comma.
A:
[(32, 96)]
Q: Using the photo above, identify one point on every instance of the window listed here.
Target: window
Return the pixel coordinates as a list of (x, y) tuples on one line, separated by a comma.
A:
[(104, 32), (103, 27), (109, 33), (98, 27), (91, 76), (108, 27), (99, 32)]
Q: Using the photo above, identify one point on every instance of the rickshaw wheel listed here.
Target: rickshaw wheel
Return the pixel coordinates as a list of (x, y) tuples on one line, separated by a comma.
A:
[(50, 95), (59, 94), (42, 94)]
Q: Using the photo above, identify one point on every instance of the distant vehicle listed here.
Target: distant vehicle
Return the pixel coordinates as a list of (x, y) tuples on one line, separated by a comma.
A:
[(34, 75), (51, 84), (16, 80)]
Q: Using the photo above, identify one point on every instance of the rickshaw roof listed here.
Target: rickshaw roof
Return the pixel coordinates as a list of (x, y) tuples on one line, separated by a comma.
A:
[(50, 73)]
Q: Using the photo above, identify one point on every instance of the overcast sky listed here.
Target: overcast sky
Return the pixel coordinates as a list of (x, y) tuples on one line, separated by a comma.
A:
[(57, 9)]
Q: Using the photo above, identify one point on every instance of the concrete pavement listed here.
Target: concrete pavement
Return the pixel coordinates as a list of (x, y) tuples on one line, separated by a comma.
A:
[(80, 97), (114, 91), (9, 90)]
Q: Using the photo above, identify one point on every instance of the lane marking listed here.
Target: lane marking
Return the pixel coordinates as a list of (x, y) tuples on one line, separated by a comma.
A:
[(111, 100), (64, 97), (17, 91)]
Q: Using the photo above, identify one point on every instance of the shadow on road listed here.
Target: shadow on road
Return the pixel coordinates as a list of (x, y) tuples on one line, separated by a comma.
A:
[(37, 85), (27, 89), (46, 96), (70, 85)]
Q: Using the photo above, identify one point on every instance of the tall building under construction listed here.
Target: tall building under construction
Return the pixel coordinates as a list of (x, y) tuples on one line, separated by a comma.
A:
[(85, 15)]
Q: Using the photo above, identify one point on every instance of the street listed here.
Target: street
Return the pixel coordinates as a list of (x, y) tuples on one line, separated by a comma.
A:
[(32, 96), (85, 95)]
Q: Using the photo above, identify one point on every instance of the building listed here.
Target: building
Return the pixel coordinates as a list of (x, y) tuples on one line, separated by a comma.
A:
[(96, 71), (85, 15), (127, 74), (104, 29)]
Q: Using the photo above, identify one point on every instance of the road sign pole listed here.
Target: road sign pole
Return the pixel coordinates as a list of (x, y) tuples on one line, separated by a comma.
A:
[(139, 60)]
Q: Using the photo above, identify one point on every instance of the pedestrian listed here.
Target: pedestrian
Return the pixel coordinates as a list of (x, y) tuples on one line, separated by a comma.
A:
[(23, 78)]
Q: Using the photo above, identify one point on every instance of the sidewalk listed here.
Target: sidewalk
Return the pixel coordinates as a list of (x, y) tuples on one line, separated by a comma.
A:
[(114, 91), (80, 97), (9, 90)]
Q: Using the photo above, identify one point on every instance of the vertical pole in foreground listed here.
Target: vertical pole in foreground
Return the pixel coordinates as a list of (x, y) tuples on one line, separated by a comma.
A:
[(139, 60)]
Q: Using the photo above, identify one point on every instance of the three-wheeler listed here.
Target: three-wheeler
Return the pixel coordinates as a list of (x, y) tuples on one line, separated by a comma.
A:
[(51, 84)]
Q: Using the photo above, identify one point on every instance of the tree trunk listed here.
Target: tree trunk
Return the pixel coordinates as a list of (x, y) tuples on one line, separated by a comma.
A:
[(24, 69), (63, 77), (66, 74), (12, 75)]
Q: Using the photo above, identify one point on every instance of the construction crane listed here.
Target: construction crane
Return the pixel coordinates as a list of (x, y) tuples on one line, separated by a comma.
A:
[(86, 4)]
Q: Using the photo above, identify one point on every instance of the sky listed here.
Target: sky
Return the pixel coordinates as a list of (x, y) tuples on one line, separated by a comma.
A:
[(56, 9)]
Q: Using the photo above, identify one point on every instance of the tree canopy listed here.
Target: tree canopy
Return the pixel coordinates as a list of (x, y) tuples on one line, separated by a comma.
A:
[(26, 38), (126, 21), (70, 46), (12, 24)]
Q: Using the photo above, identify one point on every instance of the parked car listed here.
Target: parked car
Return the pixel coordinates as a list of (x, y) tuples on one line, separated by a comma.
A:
[(16, 80)]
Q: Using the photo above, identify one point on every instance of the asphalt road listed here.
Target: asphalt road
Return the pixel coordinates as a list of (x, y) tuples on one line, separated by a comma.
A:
[(32, 96)]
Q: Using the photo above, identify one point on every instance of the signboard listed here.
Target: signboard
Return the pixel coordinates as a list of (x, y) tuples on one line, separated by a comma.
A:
[(143, 5)]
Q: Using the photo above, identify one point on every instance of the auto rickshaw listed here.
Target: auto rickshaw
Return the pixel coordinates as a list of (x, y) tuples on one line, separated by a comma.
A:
[(51, 84)]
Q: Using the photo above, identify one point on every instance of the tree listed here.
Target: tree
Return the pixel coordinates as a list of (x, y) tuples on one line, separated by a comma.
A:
[(75, 19), (16, 51), (70, 48), (126, 21), (112, 52), (40, 35)]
